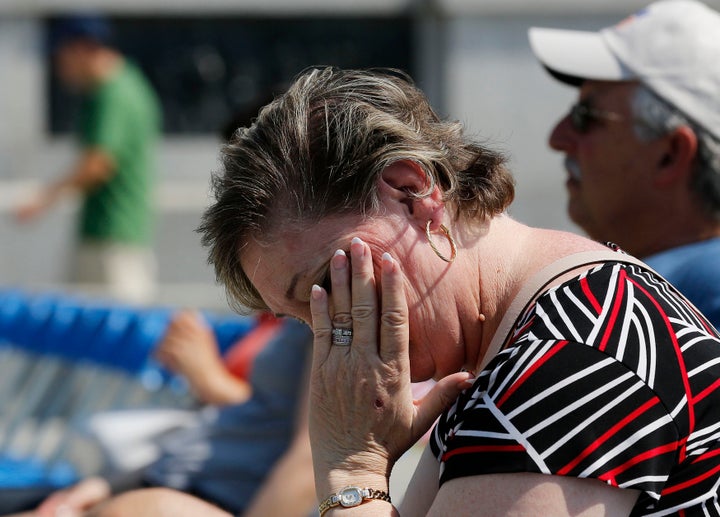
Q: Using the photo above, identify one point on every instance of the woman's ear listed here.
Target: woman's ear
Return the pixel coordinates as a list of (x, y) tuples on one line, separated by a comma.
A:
[(399, 185), (676, 163)]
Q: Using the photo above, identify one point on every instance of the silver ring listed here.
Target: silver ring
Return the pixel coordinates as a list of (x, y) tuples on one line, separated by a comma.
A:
[(342, 337)]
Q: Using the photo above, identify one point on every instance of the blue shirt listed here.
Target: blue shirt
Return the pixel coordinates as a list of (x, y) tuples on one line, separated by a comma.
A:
[(695, 270)]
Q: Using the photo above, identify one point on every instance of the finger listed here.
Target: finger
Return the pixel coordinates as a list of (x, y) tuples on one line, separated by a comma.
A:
[(66, 511), (180, 322), (341, 298), (438, 399), (89, 493), (197, 320), (394, 332), (321, 324), (364, 296), (48, 506)]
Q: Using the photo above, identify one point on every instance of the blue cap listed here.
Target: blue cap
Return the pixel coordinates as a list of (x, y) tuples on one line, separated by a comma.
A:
[(79, 27)]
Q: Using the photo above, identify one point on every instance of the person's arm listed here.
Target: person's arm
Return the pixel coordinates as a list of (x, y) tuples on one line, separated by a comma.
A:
[(289, 489), (93, 168), (189, 348), (510, 494), (154, 502), (527, 494)]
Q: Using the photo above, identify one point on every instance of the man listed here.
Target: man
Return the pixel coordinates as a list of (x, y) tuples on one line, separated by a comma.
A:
[(642, 144), (118, 129)]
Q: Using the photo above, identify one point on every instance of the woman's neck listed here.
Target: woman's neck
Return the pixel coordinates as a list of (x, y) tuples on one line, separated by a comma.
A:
[(507, 257), (501, 258)]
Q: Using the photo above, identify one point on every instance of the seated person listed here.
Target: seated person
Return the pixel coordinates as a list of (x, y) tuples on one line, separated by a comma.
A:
[(238, 456)]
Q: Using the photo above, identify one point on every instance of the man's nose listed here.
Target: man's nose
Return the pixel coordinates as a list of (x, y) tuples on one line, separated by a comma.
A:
[(562, 136)]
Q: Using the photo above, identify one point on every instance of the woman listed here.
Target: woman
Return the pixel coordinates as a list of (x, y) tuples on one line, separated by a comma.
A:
[(350, 204)]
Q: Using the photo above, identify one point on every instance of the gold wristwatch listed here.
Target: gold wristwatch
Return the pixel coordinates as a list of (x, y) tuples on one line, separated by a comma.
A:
[(352, 496)]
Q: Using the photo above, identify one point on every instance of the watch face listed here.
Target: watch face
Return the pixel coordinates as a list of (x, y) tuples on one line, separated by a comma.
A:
[(350, 496)]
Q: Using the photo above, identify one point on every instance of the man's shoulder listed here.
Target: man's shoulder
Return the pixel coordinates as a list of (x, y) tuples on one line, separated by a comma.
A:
[(694, 269), (129, 85), (697, 259)]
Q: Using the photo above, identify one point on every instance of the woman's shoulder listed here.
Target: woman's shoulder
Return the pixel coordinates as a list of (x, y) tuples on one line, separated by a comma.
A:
[(553, 258), (552, 245)]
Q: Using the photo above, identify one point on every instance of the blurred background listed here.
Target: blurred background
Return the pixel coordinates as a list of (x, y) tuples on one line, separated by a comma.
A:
[(209, 59)]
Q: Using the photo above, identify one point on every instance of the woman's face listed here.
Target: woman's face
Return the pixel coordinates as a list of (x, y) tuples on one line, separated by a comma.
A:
[(284, 271)]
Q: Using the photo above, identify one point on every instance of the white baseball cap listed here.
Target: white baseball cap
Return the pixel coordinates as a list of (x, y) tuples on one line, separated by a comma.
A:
[(672, 46)]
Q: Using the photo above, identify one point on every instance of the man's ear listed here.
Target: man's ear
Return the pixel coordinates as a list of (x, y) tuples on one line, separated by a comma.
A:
[(676, 163), (399, 185)]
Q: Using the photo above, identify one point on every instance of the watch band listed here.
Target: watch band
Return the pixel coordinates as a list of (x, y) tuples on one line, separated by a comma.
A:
[(351, 496)]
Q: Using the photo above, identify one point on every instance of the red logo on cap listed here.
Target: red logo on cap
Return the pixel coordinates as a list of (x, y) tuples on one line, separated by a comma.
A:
[(632, 17)]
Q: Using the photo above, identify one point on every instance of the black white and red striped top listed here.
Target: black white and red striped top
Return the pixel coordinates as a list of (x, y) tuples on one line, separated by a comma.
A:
[(610, 375)]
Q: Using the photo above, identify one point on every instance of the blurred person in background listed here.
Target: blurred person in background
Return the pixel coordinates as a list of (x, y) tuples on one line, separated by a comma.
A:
[(250, 444), (642, 144), (118, 129)]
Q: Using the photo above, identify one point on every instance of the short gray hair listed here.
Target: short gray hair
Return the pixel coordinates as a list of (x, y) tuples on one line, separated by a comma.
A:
[(656, 118), (319, 149)]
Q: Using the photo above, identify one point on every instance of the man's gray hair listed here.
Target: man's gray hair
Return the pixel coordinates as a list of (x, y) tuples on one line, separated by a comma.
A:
[(656, 118), (319, 150)]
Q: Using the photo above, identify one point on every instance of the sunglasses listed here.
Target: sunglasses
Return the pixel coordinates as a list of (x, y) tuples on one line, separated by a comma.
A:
[(583, 116)]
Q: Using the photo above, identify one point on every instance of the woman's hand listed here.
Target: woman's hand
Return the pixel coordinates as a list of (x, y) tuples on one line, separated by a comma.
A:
[(362, 414)]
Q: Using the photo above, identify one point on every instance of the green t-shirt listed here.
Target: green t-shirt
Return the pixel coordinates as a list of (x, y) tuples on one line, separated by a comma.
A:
[(122, 118)]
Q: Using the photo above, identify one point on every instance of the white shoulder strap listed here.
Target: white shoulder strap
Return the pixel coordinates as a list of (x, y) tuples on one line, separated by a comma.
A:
[(537, 284)]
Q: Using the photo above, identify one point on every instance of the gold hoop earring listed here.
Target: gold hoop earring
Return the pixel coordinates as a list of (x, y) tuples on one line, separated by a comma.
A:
[(446, 233)]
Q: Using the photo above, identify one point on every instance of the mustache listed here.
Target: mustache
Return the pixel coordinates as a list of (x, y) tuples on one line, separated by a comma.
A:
[(572, 166)]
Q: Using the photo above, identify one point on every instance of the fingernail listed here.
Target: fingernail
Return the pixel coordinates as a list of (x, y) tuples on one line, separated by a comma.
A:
[(357, 246), (387, 262), (467, 383), (316, 292), (339, 260)]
